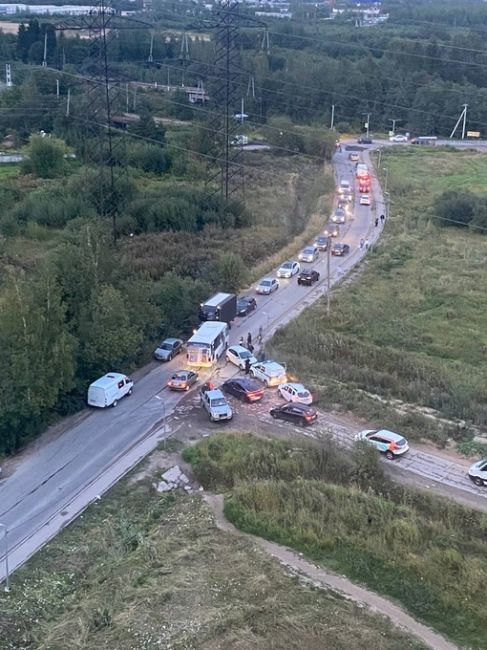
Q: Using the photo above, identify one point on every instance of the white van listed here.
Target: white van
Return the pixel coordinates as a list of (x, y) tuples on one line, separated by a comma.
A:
[(108, 390)]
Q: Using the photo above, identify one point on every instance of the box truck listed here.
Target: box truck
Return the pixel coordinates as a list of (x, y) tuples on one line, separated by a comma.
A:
[(221, 307)]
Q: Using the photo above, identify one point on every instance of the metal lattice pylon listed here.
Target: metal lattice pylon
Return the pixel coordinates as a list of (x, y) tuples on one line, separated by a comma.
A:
[(103, 98)]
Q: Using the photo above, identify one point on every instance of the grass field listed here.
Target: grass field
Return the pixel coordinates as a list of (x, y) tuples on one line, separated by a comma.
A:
[(426, 553), (144, 571), (413, 325)]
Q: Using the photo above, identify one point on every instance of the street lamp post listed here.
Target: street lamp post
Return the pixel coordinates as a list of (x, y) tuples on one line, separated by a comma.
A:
[(387, 203), (367, 123), (328, 278), (7, 576), (394, 120), (384, 169)]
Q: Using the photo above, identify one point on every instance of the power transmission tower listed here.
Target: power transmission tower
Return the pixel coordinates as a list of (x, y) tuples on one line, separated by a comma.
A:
[(463, 116), (103, 98), (226, 155)]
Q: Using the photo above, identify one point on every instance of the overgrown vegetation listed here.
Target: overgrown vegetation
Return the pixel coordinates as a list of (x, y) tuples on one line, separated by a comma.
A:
[(429, 554), (144, 570), (413, 325)]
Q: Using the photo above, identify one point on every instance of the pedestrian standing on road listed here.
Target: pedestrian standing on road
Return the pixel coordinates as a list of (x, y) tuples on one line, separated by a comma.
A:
[(249, 339), (376, 221), (241, 342), (251, 348), (362, 243), (260, 334), (367, 244), (382, 218), (247, 366)]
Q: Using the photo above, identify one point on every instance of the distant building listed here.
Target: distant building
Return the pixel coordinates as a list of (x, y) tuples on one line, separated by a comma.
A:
[(71, 10)]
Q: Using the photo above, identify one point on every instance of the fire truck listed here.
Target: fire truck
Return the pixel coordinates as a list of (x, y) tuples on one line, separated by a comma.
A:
[(364, 184)]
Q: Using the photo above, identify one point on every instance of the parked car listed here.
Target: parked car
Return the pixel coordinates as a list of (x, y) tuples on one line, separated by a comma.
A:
[(288, 269), (216, 405), (238, 355), (270, 373), (296, 413), (267, 286), (338, 216), (340, 249), (365, 141), (398, 138), (247, 390), (245, 305), (292, 392), (321, 242), (331, 230), (364, 199), (168, 349), (182, 380), (478, 473), (387, 442), (308, 254), (308, 276)]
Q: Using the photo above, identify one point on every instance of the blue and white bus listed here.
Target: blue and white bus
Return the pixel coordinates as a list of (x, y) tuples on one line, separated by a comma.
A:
[(207, 344)]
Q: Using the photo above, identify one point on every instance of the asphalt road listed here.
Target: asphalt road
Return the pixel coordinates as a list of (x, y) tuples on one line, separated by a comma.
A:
[(54, 483)]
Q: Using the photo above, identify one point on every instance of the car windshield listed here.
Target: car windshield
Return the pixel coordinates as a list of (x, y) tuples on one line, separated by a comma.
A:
[(179, 375), (218, 401), (265, 283), (339, 212), (287, 265), (322, 240), (165, 346), (245, 354), (303, 393), (308, 251)]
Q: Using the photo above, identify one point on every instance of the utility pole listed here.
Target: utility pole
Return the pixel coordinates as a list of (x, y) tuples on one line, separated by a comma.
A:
[(7, 576), (127, 98), (68, 102), (394, 120), (151, 58), (44, 60), (332, 116), (57, 88), (135, 99), (463, 119), (8, 75), (380, 156), (387, 178), (367, 123), (328, 277)]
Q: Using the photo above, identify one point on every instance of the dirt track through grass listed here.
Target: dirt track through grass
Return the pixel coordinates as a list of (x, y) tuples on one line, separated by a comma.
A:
[(326, 580)]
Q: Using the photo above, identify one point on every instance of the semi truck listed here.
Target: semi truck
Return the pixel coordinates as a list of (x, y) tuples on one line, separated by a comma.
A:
[(221, 307)]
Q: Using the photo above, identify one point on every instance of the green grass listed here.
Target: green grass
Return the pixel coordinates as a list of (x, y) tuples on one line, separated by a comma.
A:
[(144, 571), (413, 326), (426, 553), (9, 169)]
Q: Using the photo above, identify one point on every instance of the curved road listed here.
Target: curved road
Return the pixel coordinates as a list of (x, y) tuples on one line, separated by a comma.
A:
[(53, 484)]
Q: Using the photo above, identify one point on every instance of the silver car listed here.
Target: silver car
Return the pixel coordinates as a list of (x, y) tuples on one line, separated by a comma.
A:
[(267, 285), (168, 349), (309, 254)]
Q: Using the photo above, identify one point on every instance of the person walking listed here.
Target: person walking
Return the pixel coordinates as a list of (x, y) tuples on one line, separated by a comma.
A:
[(247, 366), (382, 218), (376, 221), (251, 348), (362, 243), (241, 342), (249, 339), (260, 334), (367, 244)]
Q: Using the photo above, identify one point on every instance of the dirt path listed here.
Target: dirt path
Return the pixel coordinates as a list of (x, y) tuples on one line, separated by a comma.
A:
[(321, 578)]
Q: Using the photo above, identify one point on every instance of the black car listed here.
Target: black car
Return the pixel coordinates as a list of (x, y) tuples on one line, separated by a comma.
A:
[(248, 390), (365, 141), (246, 304), (321, 242), (295, 412), (340, 249), (308, 276)]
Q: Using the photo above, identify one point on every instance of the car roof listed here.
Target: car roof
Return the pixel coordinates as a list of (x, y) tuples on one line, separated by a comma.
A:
[(479, 464), (270, 364), (171, 340), (238, 348), (297, 405), (243, 381), (288, 262), (310, 247), (215, 393), (307, 272), (389, 434), (268, 279), (181, 372), (294, 385)]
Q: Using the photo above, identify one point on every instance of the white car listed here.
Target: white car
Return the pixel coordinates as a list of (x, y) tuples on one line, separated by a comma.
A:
[(398, 138), (478, 473), (389, 443), (364, 199), (288, 269), (267, 285), (344, 187), (295, 393), (238, 355), (309, 254), (270, 373), (338, 216)]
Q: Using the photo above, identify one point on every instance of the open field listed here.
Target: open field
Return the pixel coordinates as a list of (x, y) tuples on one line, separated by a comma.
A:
[(426, 553), (412, 326), (140, 570)]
